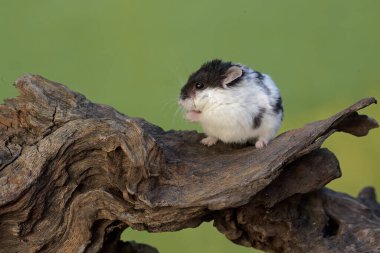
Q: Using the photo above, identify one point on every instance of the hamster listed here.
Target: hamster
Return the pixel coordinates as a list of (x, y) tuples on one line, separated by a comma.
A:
[(232, 103)]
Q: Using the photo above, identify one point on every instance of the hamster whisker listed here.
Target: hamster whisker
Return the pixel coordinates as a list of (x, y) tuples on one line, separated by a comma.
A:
[(175, 115)]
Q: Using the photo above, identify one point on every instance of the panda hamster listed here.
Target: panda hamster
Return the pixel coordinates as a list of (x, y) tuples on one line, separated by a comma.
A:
[(232, 103)]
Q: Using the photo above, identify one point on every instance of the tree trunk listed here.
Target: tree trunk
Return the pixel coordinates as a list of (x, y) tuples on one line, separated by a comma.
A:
[(74, 175)]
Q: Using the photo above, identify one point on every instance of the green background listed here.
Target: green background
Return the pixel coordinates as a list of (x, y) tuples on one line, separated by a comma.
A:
[(135, 55)]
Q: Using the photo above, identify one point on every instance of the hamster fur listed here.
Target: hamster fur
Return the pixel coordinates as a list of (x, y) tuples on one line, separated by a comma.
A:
[(233, 103)]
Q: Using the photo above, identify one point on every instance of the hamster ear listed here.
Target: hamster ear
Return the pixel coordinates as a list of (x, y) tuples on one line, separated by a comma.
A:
[(232, 74)]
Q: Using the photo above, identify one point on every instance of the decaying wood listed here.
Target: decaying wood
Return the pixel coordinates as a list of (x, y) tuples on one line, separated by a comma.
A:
[(74, 175)]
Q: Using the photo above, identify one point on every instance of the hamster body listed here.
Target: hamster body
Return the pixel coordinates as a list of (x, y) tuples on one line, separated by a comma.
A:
[(233, 103)]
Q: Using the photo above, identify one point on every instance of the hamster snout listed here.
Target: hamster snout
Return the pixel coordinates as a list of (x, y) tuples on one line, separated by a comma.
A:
[(233, 103)]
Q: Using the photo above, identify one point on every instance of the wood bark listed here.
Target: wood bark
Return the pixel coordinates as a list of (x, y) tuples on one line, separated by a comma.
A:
[(75, 174)]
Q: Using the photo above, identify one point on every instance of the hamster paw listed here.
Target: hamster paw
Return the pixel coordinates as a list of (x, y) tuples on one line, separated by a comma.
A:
[(209, 141), (261, 143)]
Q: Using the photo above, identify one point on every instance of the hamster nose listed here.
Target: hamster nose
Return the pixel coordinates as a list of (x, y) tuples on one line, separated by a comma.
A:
[(184, 96)]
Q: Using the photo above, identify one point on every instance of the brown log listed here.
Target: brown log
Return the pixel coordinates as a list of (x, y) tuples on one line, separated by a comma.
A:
[(74, 175)]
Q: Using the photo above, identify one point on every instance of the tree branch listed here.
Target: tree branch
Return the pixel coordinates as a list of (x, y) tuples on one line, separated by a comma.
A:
[(74, 174)]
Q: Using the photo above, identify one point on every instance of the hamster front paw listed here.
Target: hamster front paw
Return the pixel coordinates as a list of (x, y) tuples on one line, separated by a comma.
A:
[(209, 141), (261, 143)]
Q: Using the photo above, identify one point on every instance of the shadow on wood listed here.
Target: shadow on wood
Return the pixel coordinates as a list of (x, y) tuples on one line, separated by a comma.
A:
[(74, 175)]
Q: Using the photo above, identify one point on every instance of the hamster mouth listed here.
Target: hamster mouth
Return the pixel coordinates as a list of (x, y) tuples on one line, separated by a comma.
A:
[(196, 111)]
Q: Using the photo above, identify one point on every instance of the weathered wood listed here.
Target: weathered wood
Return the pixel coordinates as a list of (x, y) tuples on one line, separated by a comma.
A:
[(74, 174), (319, 221)]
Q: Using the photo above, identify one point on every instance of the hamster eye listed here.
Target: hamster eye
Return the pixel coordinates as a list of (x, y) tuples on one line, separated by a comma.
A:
[(199, 85)]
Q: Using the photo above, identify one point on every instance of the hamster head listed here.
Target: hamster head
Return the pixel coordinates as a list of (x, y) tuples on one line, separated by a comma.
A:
[(216, 74)]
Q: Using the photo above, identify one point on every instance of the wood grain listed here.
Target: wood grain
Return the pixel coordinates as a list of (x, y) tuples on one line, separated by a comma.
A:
[(75, 174)]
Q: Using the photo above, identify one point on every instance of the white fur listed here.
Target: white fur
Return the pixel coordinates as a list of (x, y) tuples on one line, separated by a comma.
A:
[(227, 113)]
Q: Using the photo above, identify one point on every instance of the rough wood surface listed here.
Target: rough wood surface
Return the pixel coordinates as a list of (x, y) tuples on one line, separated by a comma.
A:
[(74, 175)]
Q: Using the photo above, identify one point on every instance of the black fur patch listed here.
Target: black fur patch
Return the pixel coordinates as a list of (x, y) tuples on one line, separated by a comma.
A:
[(210, 74), (277, 108), (259, 76), (257, 119), (260, 81)]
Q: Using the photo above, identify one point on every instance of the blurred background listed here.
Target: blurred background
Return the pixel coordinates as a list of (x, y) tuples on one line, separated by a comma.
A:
[(135, 55)]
